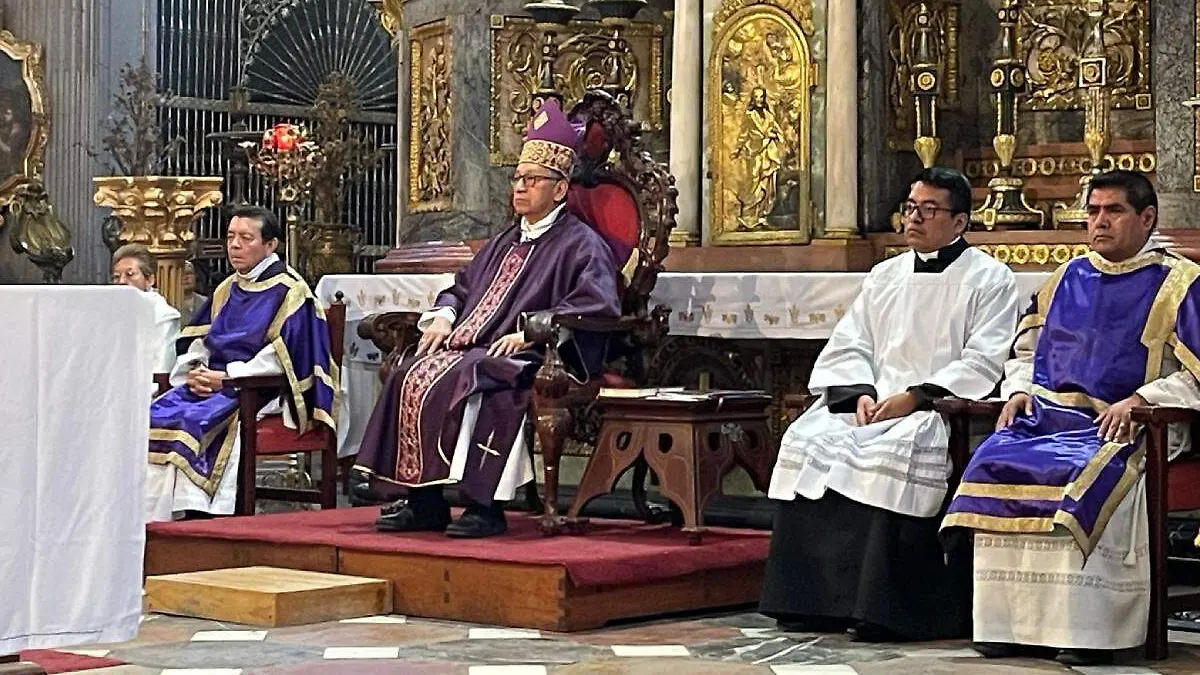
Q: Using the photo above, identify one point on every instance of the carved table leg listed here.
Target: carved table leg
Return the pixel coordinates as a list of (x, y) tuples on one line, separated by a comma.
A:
[(755, 453), (605, 466), (552, 424)]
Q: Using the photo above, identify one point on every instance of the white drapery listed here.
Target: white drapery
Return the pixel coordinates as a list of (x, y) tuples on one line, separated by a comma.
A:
[(75, 427)]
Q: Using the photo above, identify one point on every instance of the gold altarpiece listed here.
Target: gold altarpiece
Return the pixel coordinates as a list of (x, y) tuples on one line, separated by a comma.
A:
[(760, 84)]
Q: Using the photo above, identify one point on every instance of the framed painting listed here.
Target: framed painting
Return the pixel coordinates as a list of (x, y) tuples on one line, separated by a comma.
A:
[(24, 123)]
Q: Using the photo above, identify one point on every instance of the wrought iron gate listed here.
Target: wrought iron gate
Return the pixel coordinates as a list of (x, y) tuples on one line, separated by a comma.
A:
[(279, 52)]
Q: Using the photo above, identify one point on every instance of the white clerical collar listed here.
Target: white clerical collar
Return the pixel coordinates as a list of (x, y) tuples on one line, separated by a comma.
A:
[(934, 255), (258, 269), (531, 232)]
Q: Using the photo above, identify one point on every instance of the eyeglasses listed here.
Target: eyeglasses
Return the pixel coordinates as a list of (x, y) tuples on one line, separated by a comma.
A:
[(530, 181), (927, 211)]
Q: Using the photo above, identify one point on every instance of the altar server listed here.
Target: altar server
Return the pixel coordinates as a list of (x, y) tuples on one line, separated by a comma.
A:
[(133, 265), (862, 475)]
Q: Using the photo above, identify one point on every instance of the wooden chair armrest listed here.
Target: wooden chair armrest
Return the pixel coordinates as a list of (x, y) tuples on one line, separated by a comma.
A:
[(162, 383), (960, 406), (1161, 414), (596, 324), (256, 382)]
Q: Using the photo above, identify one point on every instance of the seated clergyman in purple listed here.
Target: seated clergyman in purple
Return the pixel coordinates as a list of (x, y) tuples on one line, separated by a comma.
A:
[(1056, 497), (262, 320), (454, 413)]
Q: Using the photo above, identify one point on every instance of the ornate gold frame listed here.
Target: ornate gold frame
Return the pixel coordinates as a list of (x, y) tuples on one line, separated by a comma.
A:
[(33, 159), (796, 16), (423, 154)]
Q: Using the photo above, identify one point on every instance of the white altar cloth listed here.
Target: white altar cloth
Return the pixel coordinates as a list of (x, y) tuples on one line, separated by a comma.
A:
[(731, 305), (74, 424)]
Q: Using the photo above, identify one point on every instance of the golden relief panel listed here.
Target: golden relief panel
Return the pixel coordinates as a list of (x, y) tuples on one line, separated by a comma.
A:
[(1068, 165), (759, 109), (430, 165), (1053, 33), (902, 34), (1019, 254), (582, 49)]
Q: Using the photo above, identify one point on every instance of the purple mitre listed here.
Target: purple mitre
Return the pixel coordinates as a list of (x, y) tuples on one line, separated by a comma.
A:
[(551, 139)]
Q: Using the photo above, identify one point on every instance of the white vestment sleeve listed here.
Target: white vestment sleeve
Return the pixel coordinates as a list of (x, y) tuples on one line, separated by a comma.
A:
[(265, 362), (990, 332), (849, 356), (197, 353), (166, 330), (1018, 371), (427, 318)]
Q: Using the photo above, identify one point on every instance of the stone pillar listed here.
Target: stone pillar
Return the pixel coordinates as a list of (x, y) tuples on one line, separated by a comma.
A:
[(85, 42), (841, 121), (1174, 66), (687, 106)]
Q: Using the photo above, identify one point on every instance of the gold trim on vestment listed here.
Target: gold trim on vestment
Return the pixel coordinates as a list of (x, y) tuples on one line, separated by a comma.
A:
[(393, 481), (1160, 322), (195, 331), (1151, 257), (1030, 321), (1003, 491), (1187, 358), (1071, 399), (210, 484)]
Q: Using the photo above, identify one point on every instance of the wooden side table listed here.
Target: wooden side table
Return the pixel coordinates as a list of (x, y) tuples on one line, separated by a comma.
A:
[(689, 444)]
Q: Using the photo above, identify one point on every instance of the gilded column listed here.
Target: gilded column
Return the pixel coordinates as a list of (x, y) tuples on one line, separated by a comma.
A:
[(841, 121), (687, 100)]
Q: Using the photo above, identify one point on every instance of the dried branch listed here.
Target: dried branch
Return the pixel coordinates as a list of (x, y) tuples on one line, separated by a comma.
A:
[(133, 142)]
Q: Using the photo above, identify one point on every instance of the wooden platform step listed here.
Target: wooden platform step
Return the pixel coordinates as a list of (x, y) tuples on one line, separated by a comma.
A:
[(268, 596)]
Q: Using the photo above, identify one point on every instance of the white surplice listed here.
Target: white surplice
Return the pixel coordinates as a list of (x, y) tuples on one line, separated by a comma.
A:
[(1037, 589), (165, 334), (168, 492), (951, 329)]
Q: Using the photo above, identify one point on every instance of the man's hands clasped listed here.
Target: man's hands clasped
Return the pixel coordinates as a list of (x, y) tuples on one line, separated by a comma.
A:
[(892, 407), (204, 382)]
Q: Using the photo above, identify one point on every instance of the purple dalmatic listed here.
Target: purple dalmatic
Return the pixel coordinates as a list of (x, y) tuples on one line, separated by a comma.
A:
[(195, 433), (414, 429), (1104, 327)]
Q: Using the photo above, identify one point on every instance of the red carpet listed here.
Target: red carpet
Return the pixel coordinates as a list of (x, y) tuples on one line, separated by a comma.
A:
[(64, 662), (613, 552)]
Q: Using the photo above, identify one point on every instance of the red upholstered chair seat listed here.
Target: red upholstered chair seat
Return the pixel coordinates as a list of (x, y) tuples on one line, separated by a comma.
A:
[(276, 439), (613, 380), (612, 211), (1183, 484)]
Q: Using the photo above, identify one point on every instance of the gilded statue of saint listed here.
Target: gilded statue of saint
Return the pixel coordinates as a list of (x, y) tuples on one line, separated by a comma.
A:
[(760, 148)]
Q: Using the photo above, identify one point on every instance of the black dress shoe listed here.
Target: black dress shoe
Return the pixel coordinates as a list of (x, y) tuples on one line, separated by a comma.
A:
[(1084, 657), (406, 516), (995, 650), (478, 522), (870, 632), (813, 624)]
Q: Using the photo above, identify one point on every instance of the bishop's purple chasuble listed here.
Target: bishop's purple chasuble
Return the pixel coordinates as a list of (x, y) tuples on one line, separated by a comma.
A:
[(196, 434), (1104, 327), (414, 430)]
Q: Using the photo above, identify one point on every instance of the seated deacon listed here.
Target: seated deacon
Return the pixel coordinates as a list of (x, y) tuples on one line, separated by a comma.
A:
[(132, 265), (261, 320), (862, 475), (1055, 497), (454, 412)]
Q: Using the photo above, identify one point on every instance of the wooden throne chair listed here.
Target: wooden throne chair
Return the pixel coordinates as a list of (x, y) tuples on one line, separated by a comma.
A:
[(1169, 487), (630, 199)]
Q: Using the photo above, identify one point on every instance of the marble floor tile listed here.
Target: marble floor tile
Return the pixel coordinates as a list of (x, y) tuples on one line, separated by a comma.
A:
[(682, 633), (230, 636), (217, 654), (796, 669), (365, 635), (122, 670), (659, 665), (650, 650), (514, 669), (382, 618), (345, 653), (365, 667), (503, 634)]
